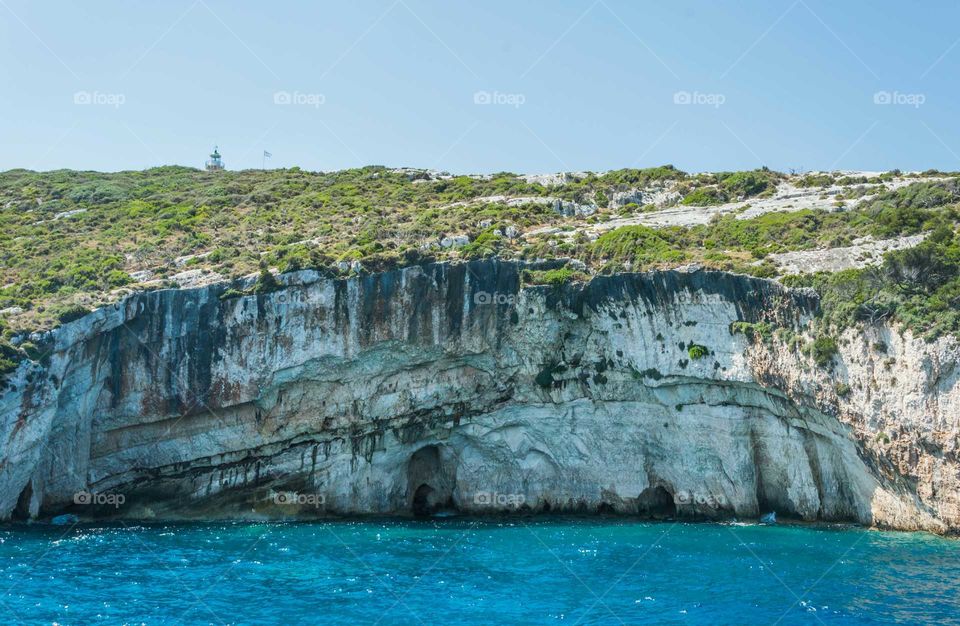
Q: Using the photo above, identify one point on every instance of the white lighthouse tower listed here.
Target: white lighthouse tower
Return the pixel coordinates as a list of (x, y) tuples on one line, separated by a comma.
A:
[(214, 164)]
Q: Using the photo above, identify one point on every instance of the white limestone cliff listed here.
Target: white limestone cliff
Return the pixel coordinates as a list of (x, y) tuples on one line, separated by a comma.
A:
[(449, 386)]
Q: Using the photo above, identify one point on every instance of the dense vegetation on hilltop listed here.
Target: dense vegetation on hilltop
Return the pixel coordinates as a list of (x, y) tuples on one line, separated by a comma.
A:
[(70, 241), (66, 232)]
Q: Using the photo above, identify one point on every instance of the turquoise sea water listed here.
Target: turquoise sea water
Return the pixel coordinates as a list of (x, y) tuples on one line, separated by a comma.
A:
[(461, 571)]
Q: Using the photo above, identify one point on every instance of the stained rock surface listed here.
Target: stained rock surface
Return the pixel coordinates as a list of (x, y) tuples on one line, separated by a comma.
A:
[(450, 387)]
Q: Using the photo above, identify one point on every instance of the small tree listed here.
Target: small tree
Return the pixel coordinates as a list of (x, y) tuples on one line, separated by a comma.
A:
[(266, 282), (918, 270), (823, 350)]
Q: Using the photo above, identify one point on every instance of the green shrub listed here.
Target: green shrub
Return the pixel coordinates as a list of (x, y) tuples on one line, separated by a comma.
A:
[(704, 196), (823, 350), (639, 245), (554, 277), (71, 313), (754, 331), (118, 278), (266, 283), (697, 351), (10, 358), (651, 373), (485, 244), (641, 177), (601, 199), (231, 293), (922, 269), (97, 193), (816, 180), (748, 184)]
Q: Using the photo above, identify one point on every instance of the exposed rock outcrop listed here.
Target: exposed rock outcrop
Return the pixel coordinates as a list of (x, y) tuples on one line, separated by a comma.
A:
[(449, 386)]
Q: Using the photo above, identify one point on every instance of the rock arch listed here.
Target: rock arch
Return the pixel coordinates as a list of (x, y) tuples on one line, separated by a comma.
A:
[(431, 480)]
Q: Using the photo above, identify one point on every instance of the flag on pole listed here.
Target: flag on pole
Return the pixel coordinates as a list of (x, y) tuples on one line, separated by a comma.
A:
[(266, 154)]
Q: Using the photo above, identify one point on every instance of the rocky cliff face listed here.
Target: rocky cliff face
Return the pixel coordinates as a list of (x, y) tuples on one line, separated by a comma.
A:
[(449, 386)]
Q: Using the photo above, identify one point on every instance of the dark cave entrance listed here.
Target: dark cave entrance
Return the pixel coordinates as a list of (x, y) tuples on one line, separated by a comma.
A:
[(22, 510), (421, 501), (657, 502), (431, 478)]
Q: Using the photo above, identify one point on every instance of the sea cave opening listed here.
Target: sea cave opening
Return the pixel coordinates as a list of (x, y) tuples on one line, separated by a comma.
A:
[(431, 478), (21, 511), (422, 506), (657, 502)]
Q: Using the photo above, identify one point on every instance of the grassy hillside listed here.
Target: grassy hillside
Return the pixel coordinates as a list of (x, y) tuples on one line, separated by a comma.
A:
[(66, 233), (71, 241)]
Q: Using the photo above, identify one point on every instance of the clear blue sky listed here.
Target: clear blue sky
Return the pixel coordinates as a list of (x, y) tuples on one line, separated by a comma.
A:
[(572, 84)]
